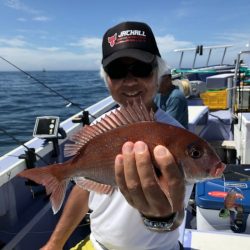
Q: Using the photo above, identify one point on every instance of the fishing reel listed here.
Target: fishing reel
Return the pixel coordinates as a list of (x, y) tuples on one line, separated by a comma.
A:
[(84, 118)]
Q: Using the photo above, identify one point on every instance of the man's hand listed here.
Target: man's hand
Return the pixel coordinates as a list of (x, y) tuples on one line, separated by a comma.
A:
[(137, 180)]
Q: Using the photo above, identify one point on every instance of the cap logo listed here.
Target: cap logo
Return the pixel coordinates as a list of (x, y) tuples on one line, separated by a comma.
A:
[(132, 33), (112, 40), (127, 36)]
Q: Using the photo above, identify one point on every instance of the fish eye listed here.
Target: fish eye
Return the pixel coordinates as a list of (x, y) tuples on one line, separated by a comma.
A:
[(195, 151)]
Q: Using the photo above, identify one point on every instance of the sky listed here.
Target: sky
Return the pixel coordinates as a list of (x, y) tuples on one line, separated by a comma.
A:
[(67, 34)]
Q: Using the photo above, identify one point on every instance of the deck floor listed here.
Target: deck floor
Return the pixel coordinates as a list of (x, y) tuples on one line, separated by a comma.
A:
[(198, 240)]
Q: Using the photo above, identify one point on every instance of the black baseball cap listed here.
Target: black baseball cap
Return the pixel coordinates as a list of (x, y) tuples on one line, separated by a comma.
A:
[(129, 39)]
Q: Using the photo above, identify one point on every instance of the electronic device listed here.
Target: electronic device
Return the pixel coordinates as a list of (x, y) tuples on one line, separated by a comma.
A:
[(46, 127)]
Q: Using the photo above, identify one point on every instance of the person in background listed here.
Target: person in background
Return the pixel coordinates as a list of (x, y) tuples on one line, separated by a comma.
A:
[(137, 215), (172, 100)]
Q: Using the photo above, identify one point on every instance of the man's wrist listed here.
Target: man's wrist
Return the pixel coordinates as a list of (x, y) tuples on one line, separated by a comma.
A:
[(168, 223)]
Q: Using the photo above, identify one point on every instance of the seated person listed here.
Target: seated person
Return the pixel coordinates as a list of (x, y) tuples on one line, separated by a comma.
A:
[(172, 100)]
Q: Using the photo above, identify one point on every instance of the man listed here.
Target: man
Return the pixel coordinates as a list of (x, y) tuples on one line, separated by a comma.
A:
[(138, 215), (172, 100)]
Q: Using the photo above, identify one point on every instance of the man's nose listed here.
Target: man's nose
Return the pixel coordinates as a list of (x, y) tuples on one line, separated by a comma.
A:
[(130, 79)]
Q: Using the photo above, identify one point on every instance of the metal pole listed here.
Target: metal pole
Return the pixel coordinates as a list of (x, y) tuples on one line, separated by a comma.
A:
[(237, 66), (209, 54), (181, 59), (194, 59), (223, 55)]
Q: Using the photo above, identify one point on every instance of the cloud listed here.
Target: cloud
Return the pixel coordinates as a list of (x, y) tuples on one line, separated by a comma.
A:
[(50, 59), (56, 58), (32, 31), (88, 43), (16, 4), (49, 49), (85, 53), (168, 43), (184, 9), (236, 38), (181, 12), (13, 42), (21, 19), (41, 18)]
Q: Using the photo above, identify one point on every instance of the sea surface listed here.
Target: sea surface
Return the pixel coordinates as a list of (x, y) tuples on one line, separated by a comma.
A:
[(22, 99)]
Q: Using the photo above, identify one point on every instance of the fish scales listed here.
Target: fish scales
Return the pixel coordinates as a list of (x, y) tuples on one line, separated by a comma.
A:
[(155, 133)]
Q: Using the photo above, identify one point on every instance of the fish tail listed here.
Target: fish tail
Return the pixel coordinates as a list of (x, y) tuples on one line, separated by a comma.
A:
[(54, 185)]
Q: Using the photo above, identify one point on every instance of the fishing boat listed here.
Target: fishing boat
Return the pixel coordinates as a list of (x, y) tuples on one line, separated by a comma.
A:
[(219, 111)]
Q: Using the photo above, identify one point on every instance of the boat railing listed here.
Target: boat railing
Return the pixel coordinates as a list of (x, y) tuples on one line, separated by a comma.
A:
[(199, 51), (11, 164), (239, 72)]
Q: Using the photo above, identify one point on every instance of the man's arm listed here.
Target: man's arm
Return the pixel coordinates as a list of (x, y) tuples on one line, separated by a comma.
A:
[(74, 211)]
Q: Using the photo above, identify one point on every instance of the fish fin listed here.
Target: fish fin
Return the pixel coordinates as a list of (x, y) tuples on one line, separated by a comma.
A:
[(54, 187), (58, 194), (71, 149), (132, 113), (93, 186), (83, 136)]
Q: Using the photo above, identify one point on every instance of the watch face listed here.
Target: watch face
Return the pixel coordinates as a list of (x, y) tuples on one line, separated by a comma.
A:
[(160, 225)]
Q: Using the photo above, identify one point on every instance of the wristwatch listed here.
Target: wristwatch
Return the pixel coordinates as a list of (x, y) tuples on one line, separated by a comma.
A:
[(163, 224)]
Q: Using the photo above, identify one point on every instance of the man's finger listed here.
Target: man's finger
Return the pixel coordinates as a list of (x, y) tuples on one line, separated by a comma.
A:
[(120, 178), (132, 178), (150, 186), (172, 176)]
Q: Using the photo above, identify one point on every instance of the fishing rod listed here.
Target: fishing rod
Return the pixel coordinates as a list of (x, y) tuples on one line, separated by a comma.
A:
[(51, 89), (22, 144)]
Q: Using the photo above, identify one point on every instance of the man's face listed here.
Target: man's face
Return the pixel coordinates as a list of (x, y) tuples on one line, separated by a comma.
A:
[(129, 88)]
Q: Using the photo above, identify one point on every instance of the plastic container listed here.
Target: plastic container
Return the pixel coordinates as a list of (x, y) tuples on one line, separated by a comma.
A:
[(215, 99), (242, 137), (210, 202), (220, 81)]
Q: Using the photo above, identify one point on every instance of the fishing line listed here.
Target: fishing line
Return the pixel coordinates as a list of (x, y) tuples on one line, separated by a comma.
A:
[(221, 120), (44, 85), (224, 123), (20, 143)]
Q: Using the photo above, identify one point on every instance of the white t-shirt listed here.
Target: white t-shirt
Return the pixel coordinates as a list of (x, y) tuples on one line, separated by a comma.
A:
[(118, 226)]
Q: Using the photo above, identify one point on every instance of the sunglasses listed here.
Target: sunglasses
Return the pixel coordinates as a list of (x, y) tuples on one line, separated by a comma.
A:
[(118, 70)]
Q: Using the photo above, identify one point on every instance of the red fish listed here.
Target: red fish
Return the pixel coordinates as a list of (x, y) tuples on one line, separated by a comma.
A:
[(96, 147)]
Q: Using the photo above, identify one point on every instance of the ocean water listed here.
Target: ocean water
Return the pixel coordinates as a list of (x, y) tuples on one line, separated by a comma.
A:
[(22, 99)]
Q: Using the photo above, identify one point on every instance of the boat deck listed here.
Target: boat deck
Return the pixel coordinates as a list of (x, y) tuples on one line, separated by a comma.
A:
[(194, 240)]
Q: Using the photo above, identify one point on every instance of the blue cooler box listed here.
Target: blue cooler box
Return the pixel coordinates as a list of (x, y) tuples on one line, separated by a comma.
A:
[(210, 202)]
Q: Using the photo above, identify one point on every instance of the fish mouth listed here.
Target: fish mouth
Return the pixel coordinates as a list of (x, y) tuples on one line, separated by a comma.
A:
[(218, 169)]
